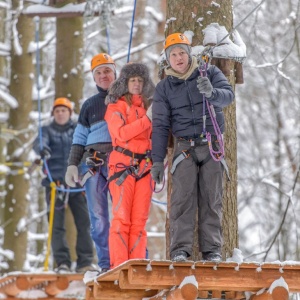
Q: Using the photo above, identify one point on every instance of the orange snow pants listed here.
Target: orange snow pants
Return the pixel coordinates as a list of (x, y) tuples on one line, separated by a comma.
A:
[(130, 210)]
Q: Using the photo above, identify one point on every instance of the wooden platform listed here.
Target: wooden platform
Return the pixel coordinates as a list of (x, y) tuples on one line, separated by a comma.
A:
[(165, 280), (139, 279), (51, 284)]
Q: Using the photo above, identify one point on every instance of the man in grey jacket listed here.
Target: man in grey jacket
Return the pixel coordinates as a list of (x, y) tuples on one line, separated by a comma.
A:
[(181, 104)]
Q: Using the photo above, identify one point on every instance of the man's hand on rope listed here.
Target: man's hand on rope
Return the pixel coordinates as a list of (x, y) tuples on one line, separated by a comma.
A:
[(44, 153), (204, 86)]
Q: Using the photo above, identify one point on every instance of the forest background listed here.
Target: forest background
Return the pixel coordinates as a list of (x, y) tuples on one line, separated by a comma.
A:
[(267, 106)]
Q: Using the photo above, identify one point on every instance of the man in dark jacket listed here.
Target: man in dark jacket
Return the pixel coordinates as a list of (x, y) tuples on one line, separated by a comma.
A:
[(88, 156), (180, 105), (54, 145)]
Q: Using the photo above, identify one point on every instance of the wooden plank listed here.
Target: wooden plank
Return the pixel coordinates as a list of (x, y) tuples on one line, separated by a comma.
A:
[(66, 11), (41, 276), (55, 287), (240, 295), (216, 294), (24, 283), (174, 294), (10, 288), (113, 274), (124, 283), (280, 293), (202, 294), (263, 296), (110, 291), (220, 277), (14, 283), (189, 291)]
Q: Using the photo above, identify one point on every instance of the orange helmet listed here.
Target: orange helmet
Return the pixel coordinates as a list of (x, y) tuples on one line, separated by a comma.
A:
[(101, 59), (176, 38), (63, 102)]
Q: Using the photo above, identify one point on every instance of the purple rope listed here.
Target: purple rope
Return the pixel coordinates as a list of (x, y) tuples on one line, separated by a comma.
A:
[(216, 155)]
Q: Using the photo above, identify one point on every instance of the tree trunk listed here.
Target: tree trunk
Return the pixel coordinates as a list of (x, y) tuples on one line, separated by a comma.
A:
[(193, 15), (17, 197), (69, 61), (69, 83), (3, 109)]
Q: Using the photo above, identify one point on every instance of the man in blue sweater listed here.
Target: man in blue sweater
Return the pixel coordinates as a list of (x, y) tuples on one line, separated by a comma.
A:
[(56, 141), (90, 148), (179, 105)]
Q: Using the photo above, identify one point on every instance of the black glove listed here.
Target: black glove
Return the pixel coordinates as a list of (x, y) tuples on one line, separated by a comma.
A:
[(44, 153), (157, 172), (204, 86)]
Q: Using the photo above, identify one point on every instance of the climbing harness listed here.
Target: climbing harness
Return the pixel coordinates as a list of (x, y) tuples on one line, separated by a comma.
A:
[(190, 153), (133, 169), (94, 160)]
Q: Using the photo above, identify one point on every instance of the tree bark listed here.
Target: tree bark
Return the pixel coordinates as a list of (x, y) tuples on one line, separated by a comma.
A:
[(69, 83), (17, 197), (69, 61)]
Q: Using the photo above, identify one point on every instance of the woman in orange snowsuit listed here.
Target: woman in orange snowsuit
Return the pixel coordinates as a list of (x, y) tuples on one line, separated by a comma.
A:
[(129, 124)]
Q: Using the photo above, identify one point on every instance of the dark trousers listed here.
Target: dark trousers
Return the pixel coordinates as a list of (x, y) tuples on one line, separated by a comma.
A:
[(195, 188), (84, 246)]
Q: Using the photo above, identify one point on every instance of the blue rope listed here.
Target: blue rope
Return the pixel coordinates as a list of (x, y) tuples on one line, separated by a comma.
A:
[(107, 38), (158, 202), (59, 188), (37, 23), (131, 31)]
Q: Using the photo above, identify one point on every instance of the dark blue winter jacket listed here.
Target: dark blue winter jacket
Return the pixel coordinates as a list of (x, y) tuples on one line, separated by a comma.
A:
[(91, 131), (57, 140), (178, 105), (92, 128)]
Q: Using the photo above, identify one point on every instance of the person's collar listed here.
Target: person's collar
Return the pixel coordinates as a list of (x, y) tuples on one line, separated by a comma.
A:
[(101, 90), (59, 127), (194, 64)]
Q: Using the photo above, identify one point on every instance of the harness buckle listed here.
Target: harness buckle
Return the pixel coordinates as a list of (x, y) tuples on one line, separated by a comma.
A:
[(94, 161), (186, 153)]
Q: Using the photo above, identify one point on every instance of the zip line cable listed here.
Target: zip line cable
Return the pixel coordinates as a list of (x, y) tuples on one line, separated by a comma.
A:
[(37, 25), (131, 30), (107, 40)]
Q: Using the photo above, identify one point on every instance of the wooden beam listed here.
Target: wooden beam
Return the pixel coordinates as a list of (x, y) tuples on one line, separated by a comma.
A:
[(24, 283), (189, 291), (124, 283), (218, 277), (111, 291), (280, 293), (13, 284), (68, 11), (10, 288), (55, 287)]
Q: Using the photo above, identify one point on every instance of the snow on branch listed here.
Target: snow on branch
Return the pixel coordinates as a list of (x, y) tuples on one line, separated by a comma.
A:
[(9, 99), (218, 37)]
